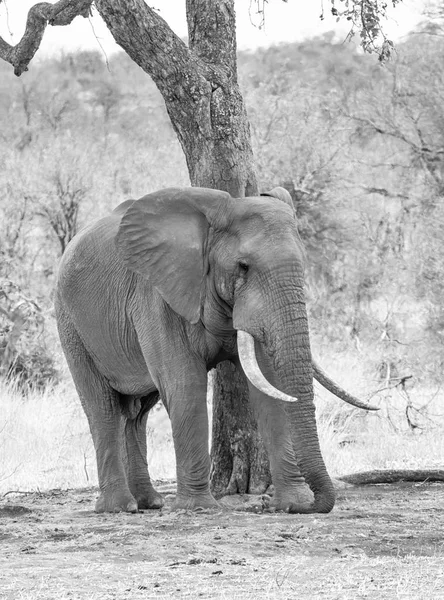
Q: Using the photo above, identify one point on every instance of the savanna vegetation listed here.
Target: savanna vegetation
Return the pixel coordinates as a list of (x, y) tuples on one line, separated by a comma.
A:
[(359, 147)]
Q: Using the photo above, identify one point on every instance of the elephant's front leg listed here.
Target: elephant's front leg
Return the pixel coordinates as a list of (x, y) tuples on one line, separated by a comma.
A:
[(289, 485), (186, 402)]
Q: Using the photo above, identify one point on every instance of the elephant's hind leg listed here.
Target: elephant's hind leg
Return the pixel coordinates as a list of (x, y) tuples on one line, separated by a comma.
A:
[(135, 450), (102, 407)]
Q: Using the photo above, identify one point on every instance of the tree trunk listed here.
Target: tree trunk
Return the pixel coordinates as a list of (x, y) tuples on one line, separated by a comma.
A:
[(239, 463), (199, 85)]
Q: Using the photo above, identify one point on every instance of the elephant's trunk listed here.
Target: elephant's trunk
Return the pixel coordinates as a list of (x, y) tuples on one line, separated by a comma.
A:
[(285, 354), (291, 355)]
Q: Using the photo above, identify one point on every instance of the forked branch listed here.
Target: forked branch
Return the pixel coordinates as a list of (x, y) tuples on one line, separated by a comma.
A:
[(60, 13)]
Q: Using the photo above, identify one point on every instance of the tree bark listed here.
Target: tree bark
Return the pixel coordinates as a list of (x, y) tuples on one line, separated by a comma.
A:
[(238, 456), (60, 13), (199, 85)]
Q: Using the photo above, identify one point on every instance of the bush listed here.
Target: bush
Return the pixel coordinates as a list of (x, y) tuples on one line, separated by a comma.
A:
[(32, 370), (24, 358)]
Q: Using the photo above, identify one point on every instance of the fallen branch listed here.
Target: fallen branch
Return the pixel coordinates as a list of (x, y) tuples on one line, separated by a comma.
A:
[(393, 476), (60, 13), (18, 492)]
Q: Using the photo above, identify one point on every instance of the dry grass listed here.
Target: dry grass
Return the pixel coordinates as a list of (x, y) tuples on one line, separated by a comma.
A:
[(406, 433), (353, 440), (45, 441)]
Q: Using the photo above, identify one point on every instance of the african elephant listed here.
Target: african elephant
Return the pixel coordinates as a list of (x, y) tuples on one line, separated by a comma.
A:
[(154, 295)]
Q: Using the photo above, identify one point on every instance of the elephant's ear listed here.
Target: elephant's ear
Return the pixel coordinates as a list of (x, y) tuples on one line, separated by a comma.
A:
[(123, 207), (281, 194), (162, 236)]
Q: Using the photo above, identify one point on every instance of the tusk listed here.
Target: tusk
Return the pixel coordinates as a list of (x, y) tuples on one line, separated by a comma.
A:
[(247, 357), (334, 388)]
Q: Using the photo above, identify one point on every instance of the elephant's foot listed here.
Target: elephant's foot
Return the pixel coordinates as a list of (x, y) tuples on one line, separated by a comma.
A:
[(198, 502), (296, 495), (147, 497), (115, 501)]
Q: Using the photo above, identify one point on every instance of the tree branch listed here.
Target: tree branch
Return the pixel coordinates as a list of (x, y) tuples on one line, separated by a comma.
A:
[(149, 41), (203, 99), (60, 13), (393, 132)]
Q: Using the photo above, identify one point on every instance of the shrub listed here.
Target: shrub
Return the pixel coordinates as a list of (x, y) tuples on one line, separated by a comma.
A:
[(24, 357)]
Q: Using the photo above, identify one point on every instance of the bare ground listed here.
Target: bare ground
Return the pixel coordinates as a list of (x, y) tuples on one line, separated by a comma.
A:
[(380, 541)]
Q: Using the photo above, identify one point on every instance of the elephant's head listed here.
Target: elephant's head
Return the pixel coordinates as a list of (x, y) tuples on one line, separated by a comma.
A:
[(237, 264)]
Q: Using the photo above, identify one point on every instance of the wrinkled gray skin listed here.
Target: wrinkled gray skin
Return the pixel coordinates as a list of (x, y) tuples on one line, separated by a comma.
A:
[(150, 298)]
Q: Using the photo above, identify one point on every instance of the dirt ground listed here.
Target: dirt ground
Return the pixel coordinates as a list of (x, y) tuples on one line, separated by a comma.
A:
[(380, 541)]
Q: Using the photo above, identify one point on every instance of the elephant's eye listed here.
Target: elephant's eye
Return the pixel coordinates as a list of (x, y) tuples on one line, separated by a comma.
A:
[(243, 266)]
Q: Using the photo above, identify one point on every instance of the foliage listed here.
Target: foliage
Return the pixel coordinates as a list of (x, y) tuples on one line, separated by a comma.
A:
[(24, 359), (73, 148), (365, 17)]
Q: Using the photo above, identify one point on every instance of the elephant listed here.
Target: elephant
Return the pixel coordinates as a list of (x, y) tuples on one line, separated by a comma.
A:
[(154, 295)]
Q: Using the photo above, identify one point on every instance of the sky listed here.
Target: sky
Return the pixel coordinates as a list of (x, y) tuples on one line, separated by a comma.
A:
[(289, 21)]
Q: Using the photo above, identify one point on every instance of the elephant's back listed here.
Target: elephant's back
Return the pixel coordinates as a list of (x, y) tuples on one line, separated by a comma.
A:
[(91, 265)]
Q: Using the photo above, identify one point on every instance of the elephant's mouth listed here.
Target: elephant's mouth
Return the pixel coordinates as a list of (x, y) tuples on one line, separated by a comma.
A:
[(248, 360)]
